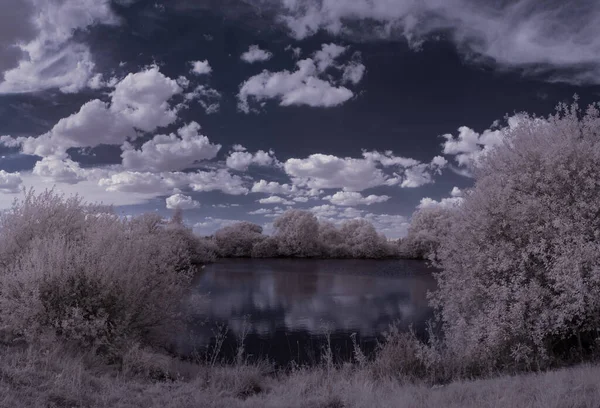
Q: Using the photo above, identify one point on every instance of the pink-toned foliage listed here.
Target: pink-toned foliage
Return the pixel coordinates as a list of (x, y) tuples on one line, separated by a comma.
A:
[(521, 262), (363, 241), (87, 276), (333, 242), (428, 227), (266, 248), (297, 232), (237, 240)]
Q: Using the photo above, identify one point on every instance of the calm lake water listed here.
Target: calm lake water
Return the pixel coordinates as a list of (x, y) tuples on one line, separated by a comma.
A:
[(286, 307)]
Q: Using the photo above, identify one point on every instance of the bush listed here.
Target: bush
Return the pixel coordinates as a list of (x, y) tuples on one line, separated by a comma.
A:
[(428, 227), (297, 232), (267, 248), (95, 281), (520, 285), (239, 239), (363, 241)]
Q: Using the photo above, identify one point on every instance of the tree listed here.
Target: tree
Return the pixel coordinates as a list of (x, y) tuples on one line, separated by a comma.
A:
[(428, 227), (332, 241), (363, 241), (237, 240), (267, 248), (177, 217), (297, 232), (521, 262), (81, 273)]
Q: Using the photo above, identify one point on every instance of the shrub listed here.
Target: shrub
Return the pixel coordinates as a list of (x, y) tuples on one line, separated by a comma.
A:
[(297, 232), (428, 227), (267, 248), (521, 262), (237, 240), (97, 282), (363, 241), (332, 241)]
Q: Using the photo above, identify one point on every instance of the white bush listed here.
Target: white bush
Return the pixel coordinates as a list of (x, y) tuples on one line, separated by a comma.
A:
[(94, 280), (428, 227), (332, 241), (267, 248), (363, 241), (521, 263), (237, 240), (297, 232)]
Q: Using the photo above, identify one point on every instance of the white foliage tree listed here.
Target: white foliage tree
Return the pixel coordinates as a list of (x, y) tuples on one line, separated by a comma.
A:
[(239, 239), (333, 241), (81, 273), (521, 262), (297, 232), (428, 227), (363, 241)]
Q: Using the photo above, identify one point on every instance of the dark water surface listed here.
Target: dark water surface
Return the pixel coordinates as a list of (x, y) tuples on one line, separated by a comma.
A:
[(288, 306)]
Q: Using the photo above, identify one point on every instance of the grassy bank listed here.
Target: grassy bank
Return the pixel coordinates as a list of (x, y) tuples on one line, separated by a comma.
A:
[(53, 377)]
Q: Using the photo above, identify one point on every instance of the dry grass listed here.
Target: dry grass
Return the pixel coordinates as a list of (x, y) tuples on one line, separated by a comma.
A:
[(55, 378)]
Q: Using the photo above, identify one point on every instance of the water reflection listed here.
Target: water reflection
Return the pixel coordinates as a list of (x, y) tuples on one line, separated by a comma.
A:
[(298, 300)]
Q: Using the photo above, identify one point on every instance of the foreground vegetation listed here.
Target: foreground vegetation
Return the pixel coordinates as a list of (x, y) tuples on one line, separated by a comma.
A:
[(34, 378), (518, 292)]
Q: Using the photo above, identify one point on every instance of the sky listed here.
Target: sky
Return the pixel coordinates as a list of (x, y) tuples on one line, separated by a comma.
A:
[(241, 109)]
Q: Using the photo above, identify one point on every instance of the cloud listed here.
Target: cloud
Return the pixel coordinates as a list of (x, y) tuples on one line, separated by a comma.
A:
[(456, 192), (255, 54), (37, 46), (170, 182), (296, 51), (201, 67), (59, 170), (208, 98), (456, 198), (416, 176), (327, 55), (140, 182), (306, 86), (562, 39), (468, 147), (448, 202), (388, 159), (275, 200), (219, 180), (210, 225), (300, 87), (320, 171), (275, 188), (354, 72), (139, 101), (170, 152), (182, 202), (10, 182), (240, 159), (352, 199)]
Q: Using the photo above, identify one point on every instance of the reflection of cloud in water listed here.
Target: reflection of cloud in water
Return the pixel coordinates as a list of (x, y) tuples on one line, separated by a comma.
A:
[(292, 295)]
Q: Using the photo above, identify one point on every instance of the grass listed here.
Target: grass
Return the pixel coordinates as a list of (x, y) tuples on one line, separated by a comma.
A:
[(55, 377)]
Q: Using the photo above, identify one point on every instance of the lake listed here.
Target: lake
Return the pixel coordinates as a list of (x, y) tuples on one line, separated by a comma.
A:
[(285, 307)]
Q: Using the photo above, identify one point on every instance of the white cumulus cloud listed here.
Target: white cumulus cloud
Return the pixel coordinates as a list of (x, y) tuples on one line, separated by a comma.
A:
[(10, 182), (170, 152), (352, 199), (182, 202), (201, 67), (38, 48), (255, 54)]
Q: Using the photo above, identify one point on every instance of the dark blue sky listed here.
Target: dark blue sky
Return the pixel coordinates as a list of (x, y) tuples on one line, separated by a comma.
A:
[(96, 79)]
